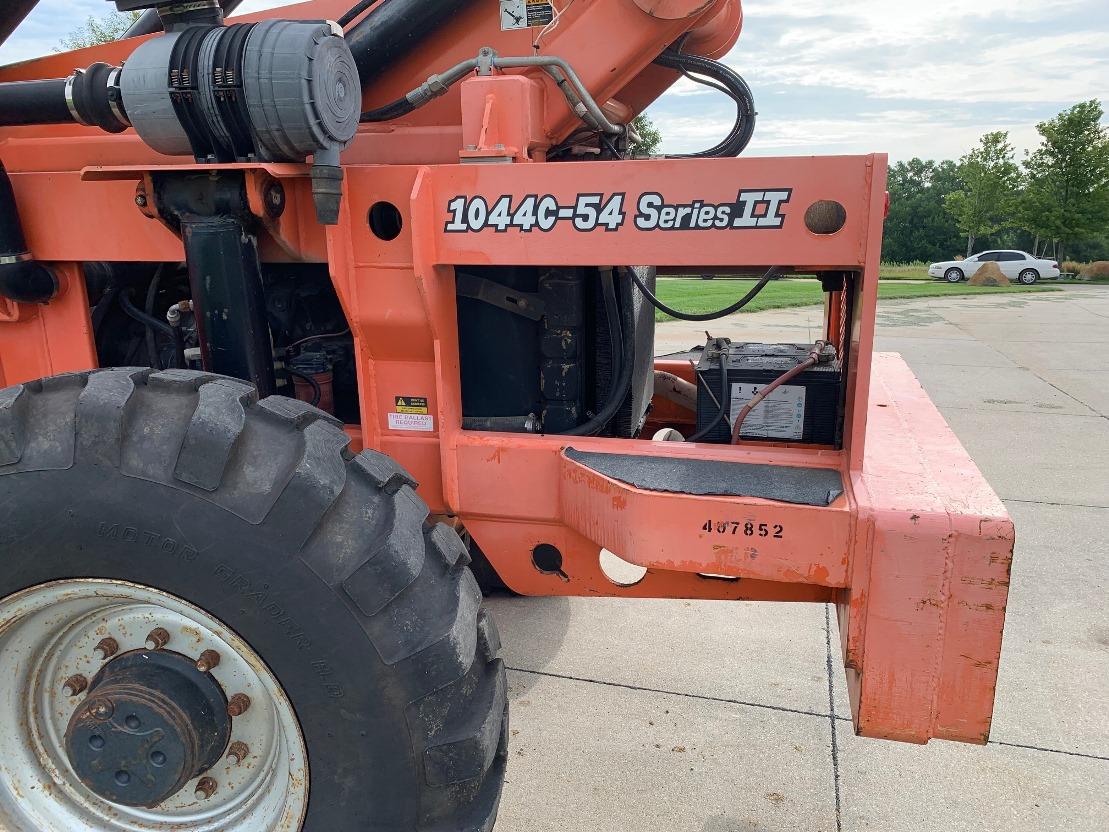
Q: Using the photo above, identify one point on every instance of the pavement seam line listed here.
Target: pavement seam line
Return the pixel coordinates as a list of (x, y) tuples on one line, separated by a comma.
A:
[(1093, 410), (832, 715), (640, 689), (1040, 748), (759, 705), (1049, 503)]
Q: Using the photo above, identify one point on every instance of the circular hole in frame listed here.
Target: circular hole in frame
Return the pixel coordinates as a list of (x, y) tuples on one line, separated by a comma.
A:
[(385, 220), (619, 571)]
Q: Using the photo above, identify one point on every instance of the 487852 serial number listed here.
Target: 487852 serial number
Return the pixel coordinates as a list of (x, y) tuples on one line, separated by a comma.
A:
[(748, 529)]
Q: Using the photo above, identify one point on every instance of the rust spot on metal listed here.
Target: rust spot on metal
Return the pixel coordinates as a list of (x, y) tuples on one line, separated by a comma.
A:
[(238, 705), (238, 752), (208, 660), (205, 788), (75, 685), (157, 638)]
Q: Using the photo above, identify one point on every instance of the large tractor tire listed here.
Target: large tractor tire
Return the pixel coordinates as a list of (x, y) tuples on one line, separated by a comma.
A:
[(216, 617)]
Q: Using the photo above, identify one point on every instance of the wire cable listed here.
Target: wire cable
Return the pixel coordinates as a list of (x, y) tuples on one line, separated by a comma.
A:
[(786, 377), (719, 417), (140, 316), (151, 338), (722, 78), (707, 316), (619, 390), (353, 14)]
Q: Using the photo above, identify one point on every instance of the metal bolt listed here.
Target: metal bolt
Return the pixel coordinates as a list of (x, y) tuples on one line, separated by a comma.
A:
[(238, 705), (158, 638), (208, 660), (140, 200), (102, 710), (75, 685), (107, 647), (238, 752), (205, 788)]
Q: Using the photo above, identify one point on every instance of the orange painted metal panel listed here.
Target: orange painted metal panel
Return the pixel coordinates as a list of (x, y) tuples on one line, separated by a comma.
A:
[(923, 619), (747, 538)]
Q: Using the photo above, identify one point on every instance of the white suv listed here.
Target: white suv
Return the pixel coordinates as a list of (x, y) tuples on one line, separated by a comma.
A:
[(1016, 265)]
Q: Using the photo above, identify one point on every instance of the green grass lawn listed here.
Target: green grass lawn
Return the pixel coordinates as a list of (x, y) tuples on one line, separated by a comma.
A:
[(698, 296)]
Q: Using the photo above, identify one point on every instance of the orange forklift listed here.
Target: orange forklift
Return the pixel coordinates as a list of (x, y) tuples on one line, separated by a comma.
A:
[(305, 313)]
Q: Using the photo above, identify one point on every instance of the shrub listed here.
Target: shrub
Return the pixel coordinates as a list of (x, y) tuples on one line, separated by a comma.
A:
[(1098, 269), (1073, 267)]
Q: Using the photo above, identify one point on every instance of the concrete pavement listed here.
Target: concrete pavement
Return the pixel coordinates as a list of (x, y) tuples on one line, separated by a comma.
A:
[(675, 716)]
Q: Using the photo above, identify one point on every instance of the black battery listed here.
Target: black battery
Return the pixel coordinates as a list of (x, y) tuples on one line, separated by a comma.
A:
[(805, 411)]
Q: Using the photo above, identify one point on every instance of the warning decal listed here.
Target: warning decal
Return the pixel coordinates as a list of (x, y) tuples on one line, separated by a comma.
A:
[(411, 421), (412, 404), (781, 415), (525, 14)]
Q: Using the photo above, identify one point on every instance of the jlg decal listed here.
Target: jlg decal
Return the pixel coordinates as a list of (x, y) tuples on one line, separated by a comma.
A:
[(590, 212)]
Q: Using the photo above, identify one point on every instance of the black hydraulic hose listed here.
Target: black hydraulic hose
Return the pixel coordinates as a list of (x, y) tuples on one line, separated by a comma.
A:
[(34, 102), (151, 339), (394, 29), (144, 319), (723, 403), (395, 109), (707, 316), (356, 11), (618, 393), (723, 78)]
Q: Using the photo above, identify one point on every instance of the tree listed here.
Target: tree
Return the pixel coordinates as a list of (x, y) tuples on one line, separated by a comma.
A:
[(1067, 195), (990, 178), (96, 30), (919, 227), (649, 136)]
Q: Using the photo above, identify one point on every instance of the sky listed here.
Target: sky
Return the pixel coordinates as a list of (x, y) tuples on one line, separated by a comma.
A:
[(908, 77)]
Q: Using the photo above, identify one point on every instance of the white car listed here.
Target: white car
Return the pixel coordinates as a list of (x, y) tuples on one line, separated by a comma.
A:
[(1016, 265)]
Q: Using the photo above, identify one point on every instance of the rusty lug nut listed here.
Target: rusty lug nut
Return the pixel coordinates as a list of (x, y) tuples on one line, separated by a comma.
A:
[(158, 638), (208, 660), (238, 752), (205, 788), (75, 685), (238, 704), (107, 647), (140, 200)]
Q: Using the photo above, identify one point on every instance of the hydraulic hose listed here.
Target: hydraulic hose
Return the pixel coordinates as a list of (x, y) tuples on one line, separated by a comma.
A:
[(722, 78), (394, 29), (707, 316), (723, 402), (619, 390)]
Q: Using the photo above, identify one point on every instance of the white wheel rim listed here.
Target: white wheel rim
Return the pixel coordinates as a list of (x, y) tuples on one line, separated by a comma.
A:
[(48, 633)]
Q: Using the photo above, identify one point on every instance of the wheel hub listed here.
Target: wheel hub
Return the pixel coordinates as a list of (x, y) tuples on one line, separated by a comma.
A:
[(151, 722)]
